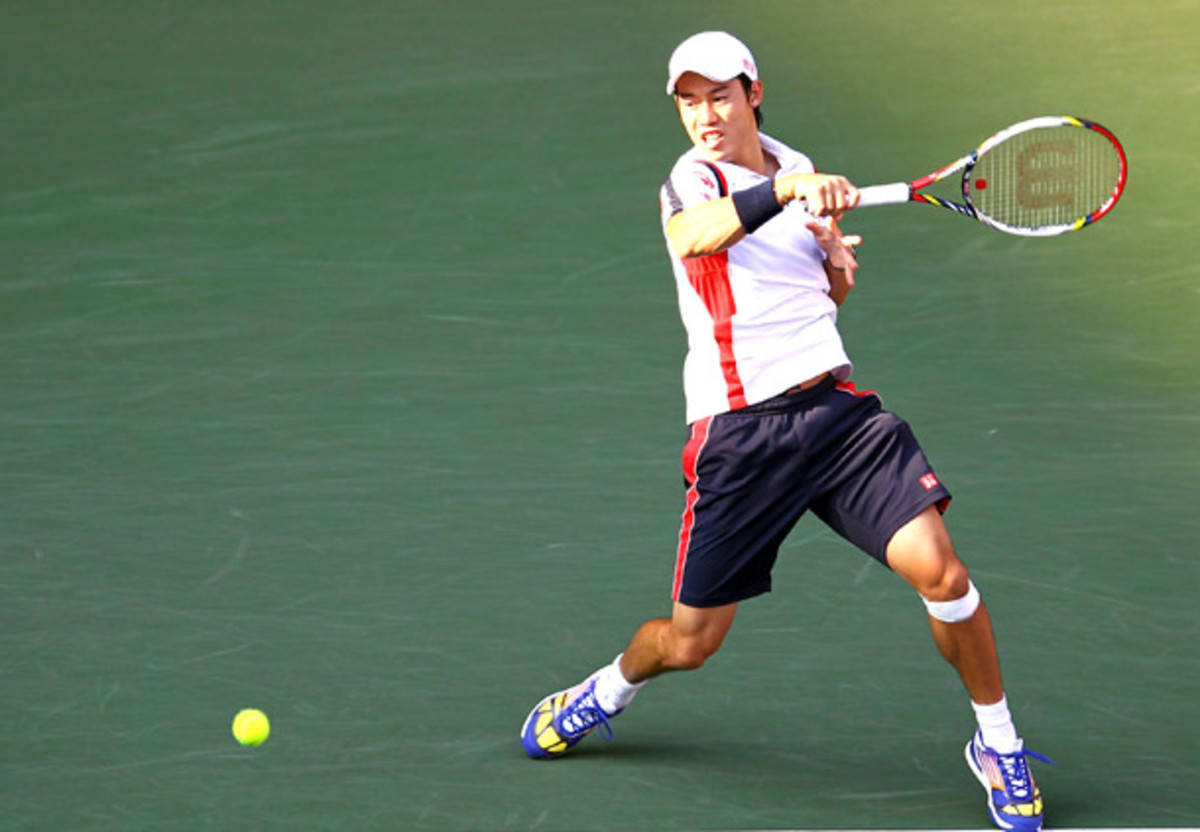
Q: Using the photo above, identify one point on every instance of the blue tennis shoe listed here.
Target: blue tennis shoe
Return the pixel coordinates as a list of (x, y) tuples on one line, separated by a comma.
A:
[(1014, 800), (560, 720)]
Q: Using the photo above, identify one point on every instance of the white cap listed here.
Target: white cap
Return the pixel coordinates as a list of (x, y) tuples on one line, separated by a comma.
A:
[(718, 56)]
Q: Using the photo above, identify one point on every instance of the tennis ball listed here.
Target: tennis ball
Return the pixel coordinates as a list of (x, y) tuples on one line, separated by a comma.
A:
[(251, 727)]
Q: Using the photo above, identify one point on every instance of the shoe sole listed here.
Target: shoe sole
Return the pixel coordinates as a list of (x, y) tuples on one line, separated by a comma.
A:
[(531, 747)]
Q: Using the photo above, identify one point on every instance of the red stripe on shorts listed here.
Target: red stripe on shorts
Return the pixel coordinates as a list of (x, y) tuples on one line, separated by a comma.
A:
[(691, 453)]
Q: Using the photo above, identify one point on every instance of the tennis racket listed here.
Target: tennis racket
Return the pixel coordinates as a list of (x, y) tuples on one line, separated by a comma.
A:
[(1037, 178)]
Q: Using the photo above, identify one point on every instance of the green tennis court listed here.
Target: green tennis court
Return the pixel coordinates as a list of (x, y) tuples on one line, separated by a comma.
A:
[(340, 379)]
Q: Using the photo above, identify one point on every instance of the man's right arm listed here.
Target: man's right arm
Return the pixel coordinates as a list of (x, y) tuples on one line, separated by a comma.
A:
[(711, 227), (706, 228)]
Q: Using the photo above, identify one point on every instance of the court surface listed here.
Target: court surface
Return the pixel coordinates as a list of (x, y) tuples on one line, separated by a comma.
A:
[(340, 378)]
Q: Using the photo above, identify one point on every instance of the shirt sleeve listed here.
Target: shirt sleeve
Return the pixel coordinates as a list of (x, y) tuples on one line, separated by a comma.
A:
[(690, 183)]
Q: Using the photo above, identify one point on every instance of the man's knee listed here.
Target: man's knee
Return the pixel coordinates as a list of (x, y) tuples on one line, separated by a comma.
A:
[(693, 651), (955, 598), (946, 581), (695, 633)]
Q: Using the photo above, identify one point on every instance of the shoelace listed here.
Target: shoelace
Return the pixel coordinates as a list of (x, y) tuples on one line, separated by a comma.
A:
[(584, 714), (1016, 772)]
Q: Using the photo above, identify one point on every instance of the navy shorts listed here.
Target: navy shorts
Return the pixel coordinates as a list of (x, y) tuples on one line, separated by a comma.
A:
[(751, 474)]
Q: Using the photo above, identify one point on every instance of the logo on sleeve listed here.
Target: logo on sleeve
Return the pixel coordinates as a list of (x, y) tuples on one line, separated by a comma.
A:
[(929, 481)]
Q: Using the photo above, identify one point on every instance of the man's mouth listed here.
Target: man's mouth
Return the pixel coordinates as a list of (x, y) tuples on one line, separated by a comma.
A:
[(710, 137)]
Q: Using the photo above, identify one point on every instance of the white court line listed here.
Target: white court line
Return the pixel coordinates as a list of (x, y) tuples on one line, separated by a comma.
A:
[(992, 829)]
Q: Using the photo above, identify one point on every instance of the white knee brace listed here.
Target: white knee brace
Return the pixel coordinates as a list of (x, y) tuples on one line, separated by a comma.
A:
[(954, 611)]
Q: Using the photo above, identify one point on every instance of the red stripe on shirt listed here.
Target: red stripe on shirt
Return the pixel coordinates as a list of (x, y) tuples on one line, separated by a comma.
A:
[(691, 454), (709, 276), (723, 184)]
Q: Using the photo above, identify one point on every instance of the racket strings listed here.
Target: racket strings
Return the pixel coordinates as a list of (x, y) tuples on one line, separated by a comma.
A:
[(1047, 177)]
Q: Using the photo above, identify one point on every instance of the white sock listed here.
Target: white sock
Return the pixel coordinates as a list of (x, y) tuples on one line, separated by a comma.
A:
[(996, 724), (613, 692)]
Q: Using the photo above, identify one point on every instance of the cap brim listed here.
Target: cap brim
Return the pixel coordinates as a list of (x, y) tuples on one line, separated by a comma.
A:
[(674, 80)]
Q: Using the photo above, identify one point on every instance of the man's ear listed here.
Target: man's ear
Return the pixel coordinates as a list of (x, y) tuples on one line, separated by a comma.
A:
[(756, 93)]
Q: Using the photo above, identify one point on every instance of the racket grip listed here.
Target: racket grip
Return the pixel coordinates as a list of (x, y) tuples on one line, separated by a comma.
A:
[(892, 194)]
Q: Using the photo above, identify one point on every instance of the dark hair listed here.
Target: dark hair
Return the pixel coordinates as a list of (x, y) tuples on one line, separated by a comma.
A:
[(746, 82)]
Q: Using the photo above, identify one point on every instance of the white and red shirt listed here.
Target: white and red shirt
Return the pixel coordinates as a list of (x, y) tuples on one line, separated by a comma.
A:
[(758, 315)]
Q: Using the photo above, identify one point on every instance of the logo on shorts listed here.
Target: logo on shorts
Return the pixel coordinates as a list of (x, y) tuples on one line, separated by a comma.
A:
[(929, 481)]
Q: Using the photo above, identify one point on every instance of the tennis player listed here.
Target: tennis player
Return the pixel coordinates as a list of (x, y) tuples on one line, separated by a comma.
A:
[(775, 429)]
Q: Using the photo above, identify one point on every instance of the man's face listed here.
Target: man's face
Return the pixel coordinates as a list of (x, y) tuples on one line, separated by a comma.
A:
[(718, 117)]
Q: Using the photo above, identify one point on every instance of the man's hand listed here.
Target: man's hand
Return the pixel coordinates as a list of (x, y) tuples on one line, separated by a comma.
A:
[(825, 194), (841, 263), (838, 248)]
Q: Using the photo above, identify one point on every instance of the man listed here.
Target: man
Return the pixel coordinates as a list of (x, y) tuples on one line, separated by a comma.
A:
[(775, 430)]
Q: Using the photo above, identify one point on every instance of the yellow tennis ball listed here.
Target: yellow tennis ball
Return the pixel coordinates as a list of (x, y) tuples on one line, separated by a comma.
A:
[(251, 727)]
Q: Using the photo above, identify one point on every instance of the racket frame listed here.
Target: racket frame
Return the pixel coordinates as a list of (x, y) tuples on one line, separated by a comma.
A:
[(899, 192)]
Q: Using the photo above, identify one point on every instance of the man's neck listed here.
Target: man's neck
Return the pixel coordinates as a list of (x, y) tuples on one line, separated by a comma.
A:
[(757, 159)]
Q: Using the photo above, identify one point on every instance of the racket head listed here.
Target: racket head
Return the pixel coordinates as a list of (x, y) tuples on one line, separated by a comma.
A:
[(1045, 176)]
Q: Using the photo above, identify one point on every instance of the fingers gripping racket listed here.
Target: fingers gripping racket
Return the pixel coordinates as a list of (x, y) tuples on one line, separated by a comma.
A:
[(1037, 178)]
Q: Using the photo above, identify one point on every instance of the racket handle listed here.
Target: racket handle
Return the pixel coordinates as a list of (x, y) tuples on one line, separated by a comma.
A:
[(892, 194)]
